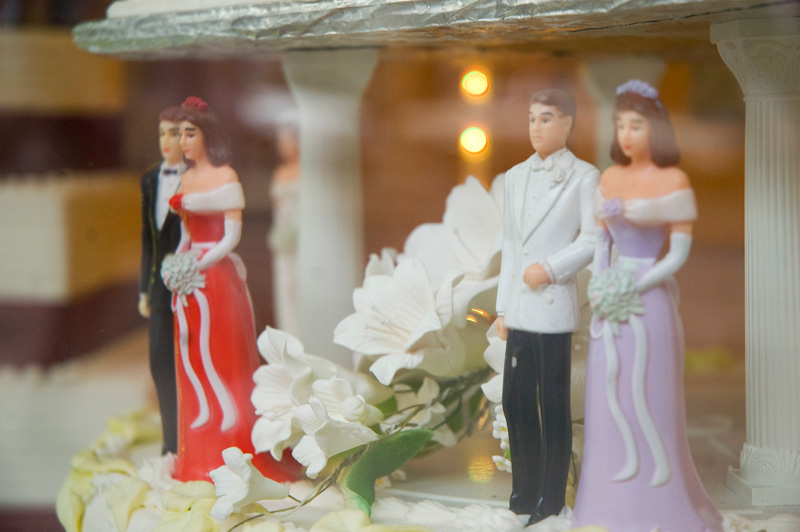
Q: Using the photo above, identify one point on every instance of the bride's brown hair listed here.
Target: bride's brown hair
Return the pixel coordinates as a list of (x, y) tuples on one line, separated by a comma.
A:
[(218, 146), (663, 147)]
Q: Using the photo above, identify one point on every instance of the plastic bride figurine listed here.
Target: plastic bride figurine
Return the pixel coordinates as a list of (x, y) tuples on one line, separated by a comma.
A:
[(215, 338), (637, 473)]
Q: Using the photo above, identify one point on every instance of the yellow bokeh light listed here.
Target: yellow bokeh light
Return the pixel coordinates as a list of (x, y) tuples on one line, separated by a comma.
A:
[(475, 83), (474, 140), (481, 469)]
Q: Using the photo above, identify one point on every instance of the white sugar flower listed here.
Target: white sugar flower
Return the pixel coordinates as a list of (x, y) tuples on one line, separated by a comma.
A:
[(495, 356), (500, 431), (325, 437), (275, 429), (343, 404), (469, 237), (502, 463), (468, 240), (238, 484), (383, 264), (278, 347), (405, 323), (286, 383), (500, 427), (431, 417)]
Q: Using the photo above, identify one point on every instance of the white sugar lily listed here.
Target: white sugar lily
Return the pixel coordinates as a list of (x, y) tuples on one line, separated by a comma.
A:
[(406, 324), (495, 356), (286, 383), (275, 429), (343, 404), (468, 239), (432, 416), (325, 437), (238, 484), (279, 347), (383, 264)]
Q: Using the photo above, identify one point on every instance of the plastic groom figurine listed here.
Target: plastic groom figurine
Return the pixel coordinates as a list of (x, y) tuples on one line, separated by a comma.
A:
[(161, 232), (548, 237)]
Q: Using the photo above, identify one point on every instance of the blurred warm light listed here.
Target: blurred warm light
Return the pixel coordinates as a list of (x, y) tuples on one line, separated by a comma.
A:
[(481, 469), (474, 140), (475, 83), (476, 313)]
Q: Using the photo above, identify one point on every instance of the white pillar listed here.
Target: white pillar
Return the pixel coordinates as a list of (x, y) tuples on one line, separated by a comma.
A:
[(327, 87), (602, 76), (764, 55)]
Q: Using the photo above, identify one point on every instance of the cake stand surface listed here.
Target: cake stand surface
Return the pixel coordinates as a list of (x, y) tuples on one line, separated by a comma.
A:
[(148, 28)]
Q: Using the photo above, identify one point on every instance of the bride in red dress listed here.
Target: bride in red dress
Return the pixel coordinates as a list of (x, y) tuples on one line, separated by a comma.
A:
[(216, 351)]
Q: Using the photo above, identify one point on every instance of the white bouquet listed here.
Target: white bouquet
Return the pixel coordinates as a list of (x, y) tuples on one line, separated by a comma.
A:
[(613, 296), (181, 275)]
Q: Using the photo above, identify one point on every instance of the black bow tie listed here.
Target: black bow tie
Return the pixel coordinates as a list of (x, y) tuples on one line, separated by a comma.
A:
[(170, 171)]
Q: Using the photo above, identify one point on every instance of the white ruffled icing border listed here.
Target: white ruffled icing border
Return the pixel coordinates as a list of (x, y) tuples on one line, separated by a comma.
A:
[(387, 510)]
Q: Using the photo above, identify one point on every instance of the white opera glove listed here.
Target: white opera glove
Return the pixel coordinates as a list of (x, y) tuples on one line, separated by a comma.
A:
[(233, 231), (679, 246), (602, 251)]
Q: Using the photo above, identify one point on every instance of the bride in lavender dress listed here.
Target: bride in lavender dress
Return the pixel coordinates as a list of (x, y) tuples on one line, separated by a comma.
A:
[(637, 473)]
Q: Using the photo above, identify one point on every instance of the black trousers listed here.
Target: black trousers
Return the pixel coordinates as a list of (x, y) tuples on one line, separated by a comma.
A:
[(536, 387), (162, 363)]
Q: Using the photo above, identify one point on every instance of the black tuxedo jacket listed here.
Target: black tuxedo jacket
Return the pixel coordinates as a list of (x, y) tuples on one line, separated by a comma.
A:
[(155, 244)]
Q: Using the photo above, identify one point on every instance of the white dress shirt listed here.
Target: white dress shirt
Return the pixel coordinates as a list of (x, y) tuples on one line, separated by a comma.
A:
[(168, 183)]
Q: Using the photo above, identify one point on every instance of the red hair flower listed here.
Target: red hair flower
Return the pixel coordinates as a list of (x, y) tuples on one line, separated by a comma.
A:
[(197, 103)]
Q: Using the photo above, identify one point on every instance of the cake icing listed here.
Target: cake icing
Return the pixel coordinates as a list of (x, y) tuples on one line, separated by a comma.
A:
[(125, 485)]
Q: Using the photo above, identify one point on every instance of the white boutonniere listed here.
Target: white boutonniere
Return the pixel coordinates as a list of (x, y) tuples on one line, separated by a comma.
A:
[(557, 176)]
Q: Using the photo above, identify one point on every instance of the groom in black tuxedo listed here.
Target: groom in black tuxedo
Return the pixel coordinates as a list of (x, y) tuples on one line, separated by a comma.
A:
[(161, 232)]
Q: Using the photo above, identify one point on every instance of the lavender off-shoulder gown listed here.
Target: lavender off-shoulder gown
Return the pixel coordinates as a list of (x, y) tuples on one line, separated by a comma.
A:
[(637, 473)]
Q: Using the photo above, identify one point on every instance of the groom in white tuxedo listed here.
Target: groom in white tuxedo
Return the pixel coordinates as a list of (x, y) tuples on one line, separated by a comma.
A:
[(548, 237)]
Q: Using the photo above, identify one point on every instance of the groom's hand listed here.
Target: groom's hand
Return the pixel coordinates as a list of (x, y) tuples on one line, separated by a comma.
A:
[(535, 276), (500, 325)]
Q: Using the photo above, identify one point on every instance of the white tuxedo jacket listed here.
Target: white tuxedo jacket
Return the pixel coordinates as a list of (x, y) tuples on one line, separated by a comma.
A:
[(557, 227)]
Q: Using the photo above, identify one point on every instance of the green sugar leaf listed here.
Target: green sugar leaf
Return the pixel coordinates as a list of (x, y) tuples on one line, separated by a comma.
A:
[(383, 457)]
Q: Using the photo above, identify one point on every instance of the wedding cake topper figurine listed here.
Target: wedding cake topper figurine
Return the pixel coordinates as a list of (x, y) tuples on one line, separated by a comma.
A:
[(282, 238), (215, 336), (637, 473), (161, 231), (548, 237)]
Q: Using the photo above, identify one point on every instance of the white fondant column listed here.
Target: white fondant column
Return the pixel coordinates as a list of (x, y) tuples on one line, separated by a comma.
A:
[(602, 76), (764, 55), (327, 87)]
